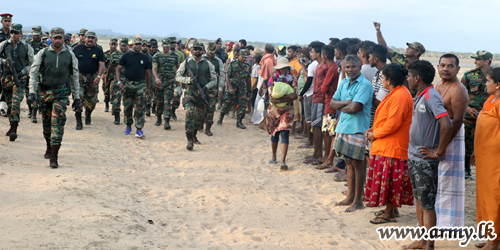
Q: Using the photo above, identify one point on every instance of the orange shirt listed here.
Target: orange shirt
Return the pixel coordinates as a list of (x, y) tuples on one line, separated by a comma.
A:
[(391, 126), (296, 66)]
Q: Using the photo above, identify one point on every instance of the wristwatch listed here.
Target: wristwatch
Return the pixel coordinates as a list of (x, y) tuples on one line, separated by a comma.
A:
[(119, 82), (436, 153)]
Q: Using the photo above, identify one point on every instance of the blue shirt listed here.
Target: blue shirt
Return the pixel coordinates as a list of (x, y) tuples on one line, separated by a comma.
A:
[(361, 91)]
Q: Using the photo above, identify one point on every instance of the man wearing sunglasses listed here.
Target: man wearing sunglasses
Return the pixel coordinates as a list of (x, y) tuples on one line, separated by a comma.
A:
[(4, 35), (176, 102), (22, 55), (203, 72)]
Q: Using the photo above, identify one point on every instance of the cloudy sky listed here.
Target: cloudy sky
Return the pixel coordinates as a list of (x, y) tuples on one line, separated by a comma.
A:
[(441, 25)]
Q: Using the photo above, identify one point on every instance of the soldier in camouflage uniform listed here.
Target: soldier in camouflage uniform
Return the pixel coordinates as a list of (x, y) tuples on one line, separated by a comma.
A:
[(4, 36), (145, 50), (37, 44), (22, 54), (220, 52), (216, 91), (55, 73), (116, 94), (475, 82), (135, 88), (81, 35), (178, 90), (205, 76), (106, 86), (165, 65), (238, 87)]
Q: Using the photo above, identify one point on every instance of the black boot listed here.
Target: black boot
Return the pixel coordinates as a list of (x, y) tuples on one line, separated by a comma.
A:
[(33, 116), (53, 156), (167, 124), (49, 147), (30, 112), (190, 145), (158, 120), (195, 140), (78, 116), (10, 130), (117, 117), (88, 119), (106, 108), (239, 123), (174, 117), (207, 130), (221, 117), (148, 110), (13, 129), (153, 109)]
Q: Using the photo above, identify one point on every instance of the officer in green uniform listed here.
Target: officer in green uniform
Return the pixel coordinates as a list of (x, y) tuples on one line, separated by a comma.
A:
[(216, 91), (178, 90), (475, 82), (106, 86), (81, 35), (55, 73), (165, 65), (145, 50), (116, 94), (238, 87), (22, 54), (4, 35), (203, 72), (37, 44)]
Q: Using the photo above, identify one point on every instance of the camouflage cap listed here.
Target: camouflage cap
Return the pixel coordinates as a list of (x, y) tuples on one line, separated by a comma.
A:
[(172, 39), (145, 42), (124, 41), (82, 31), (211, 48), (16, 27), (90, 33), (244, 53), (483, 54), (57, 31), (114, 40), (166, 42), (196, 45), (417, 46), (137, 40), (6, 16), (36, 30)]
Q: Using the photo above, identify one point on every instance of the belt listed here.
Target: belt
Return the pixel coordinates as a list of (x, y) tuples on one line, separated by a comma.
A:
[(45, 87)]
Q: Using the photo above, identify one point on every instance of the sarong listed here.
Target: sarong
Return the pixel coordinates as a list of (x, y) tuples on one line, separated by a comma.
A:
[(450, 199)]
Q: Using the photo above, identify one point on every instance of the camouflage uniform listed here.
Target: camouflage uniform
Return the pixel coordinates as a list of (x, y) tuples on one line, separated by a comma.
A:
[(23, 58), (166, 64), (238, 74), (37, 46), (221, 82), (193, 100), (395, 57), (178, 91), (116, 94), (475, 82), (135, 94), (82, 31), (106, 86)]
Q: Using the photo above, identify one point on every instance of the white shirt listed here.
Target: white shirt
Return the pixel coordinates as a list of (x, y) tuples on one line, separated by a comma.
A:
[(311, 71)]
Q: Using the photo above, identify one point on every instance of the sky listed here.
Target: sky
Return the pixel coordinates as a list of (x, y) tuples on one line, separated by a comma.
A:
[(440, 25)]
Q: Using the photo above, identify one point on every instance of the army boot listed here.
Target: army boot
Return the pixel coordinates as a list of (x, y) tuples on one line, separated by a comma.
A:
[(239, 123), (158, 120), (221, 117), (78, 116), (53, 156), (167, 124), (88, 119), (190, 145), (117, 117), (13, 129), (48, 151), (33, 116)]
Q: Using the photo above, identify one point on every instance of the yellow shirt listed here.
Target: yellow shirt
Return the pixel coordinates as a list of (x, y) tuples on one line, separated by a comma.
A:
[(230, 54)]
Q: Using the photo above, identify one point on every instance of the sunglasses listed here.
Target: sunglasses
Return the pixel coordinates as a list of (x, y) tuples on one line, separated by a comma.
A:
[(196, 49), (15, 32)]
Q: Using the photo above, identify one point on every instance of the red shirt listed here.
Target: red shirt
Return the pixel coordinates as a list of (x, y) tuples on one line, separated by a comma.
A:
[(318, 96), (331, 80)]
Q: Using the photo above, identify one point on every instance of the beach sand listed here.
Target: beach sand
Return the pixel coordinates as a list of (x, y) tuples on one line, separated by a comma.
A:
[(118, 192)]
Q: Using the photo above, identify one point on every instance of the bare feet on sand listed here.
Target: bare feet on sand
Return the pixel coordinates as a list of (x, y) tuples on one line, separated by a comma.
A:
[(421, 244), (355, 206)]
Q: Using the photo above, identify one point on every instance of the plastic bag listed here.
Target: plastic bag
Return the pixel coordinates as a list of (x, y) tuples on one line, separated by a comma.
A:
[(260, 105)]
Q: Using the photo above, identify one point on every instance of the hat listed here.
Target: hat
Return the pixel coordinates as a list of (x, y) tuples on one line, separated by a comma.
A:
[(90, 33), (483, 54), (218, 40), (136, 40), (17, 27), (6, 16), (417, 46), (124, 41), (257, 51), (57, 31), (211, 48), (230, 43), (82, 31), (281, 46), (172, 39), (178, 42), (154, 43), (166, 42), (196, 45), (36, 30), (244, 53), (282, 63), (67, 37), (114, 40), (145, 42)]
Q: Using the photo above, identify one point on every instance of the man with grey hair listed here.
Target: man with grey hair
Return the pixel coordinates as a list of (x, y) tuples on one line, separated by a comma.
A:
[(353, 98)]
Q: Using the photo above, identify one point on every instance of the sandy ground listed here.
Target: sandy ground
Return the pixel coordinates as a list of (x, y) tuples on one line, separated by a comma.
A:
[(222, 195)]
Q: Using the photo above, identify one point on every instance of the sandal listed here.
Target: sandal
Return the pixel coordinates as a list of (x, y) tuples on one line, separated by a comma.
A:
[(385, 220), (317, 163), (340, 179), (381, 212), (272, 162), (305, 146), (320, 167), (345, 192), (310, 161), (332, 170), (283, 168)]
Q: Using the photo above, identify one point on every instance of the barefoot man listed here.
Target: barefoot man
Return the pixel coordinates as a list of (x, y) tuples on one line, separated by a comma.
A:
[(450, 197), (353, 98)]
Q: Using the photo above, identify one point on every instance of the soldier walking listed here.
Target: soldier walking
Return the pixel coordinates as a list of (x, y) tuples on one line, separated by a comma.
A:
[(37, 44), (165, 65), (135, 88), (16, 58), (116, 94), (106, 85), (216, 91), (91, 66), (178, 90), (195, 70), (4, 36), (55, 73), (238, 87)]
